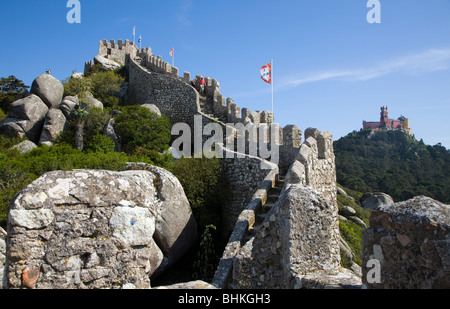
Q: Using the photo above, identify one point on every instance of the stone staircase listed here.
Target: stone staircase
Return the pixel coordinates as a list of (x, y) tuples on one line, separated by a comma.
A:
[(272, 196), (205, 107)]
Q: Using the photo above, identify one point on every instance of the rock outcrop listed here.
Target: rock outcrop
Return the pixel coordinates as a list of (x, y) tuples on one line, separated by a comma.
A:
[(67, 104), (374, 200), (107, 64), (25, 118), (55, 123), (42, 114), (97, 229), (49, 89), (25, 146), (409, 242)]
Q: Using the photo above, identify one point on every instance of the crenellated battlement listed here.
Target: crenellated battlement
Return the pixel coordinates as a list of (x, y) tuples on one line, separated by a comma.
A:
[(117, 50), (314, 165)]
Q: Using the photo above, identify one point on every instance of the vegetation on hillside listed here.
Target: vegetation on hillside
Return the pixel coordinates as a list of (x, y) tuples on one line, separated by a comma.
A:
[(104, 86), (394, 163)]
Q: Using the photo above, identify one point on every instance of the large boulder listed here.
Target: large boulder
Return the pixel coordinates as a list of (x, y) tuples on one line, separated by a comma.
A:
[(68, 104), (153, 108), (92, 102), (25, 118), (25, 146), (49, 89), (107, 64), (408, 246), (96, 229), (374, 200), (176, 228), (55, 123)]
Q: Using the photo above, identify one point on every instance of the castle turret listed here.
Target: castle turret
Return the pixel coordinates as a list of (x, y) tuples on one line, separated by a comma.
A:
[(384, 118)]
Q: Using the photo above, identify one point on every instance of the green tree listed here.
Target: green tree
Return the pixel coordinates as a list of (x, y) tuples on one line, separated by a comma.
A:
[(10, 87), (79, 87), (141, 130), (105, 87), (78, 116)]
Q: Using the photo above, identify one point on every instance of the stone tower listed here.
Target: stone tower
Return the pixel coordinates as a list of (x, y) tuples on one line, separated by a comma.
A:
[(384, 119)]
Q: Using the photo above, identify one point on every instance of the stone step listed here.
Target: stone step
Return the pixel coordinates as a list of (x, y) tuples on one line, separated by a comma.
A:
[(272, 198), (275, 190)]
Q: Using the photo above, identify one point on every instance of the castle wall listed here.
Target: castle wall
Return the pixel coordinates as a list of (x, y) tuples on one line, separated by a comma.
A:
[(272, 260), (177, 100), (245, 176), (117, 51)]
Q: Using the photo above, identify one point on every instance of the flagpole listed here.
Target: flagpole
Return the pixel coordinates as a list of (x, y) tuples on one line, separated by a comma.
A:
[(271, 82), (173, 56)]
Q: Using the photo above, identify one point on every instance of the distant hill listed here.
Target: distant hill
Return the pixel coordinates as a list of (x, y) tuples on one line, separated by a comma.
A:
[(394, 163)]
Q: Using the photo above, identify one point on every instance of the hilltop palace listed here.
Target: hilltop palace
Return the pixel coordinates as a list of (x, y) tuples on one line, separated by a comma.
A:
[(385, 123)]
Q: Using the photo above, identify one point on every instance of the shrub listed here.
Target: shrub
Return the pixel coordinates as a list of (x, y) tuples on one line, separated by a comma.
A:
[(77, 87), (12, 181), (100, 143), (95, 122), (104, 86), (137, 127)]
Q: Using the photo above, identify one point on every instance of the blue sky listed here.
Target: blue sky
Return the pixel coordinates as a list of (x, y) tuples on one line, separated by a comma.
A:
[(332, 69)]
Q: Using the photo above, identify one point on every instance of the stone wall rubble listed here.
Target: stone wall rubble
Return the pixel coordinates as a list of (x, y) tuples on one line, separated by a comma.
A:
[(409, 242)]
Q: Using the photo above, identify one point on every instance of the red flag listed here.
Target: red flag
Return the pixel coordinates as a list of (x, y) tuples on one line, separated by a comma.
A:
[(171, 53), (266, 73)]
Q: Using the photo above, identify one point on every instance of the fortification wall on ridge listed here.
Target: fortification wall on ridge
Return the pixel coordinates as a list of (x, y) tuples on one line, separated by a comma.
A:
[(179, 101), (117, 51), (315, 165)]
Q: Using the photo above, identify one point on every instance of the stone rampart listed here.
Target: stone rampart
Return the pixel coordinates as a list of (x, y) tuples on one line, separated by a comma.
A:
[(177, 100), (314, 164), (250, 265), (245, 176), (245, 219), (117, 51)]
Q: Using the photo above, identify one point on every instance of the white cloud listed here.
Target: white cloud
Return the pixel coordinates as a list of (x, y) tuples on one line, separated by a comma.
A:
[(413, 64)]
